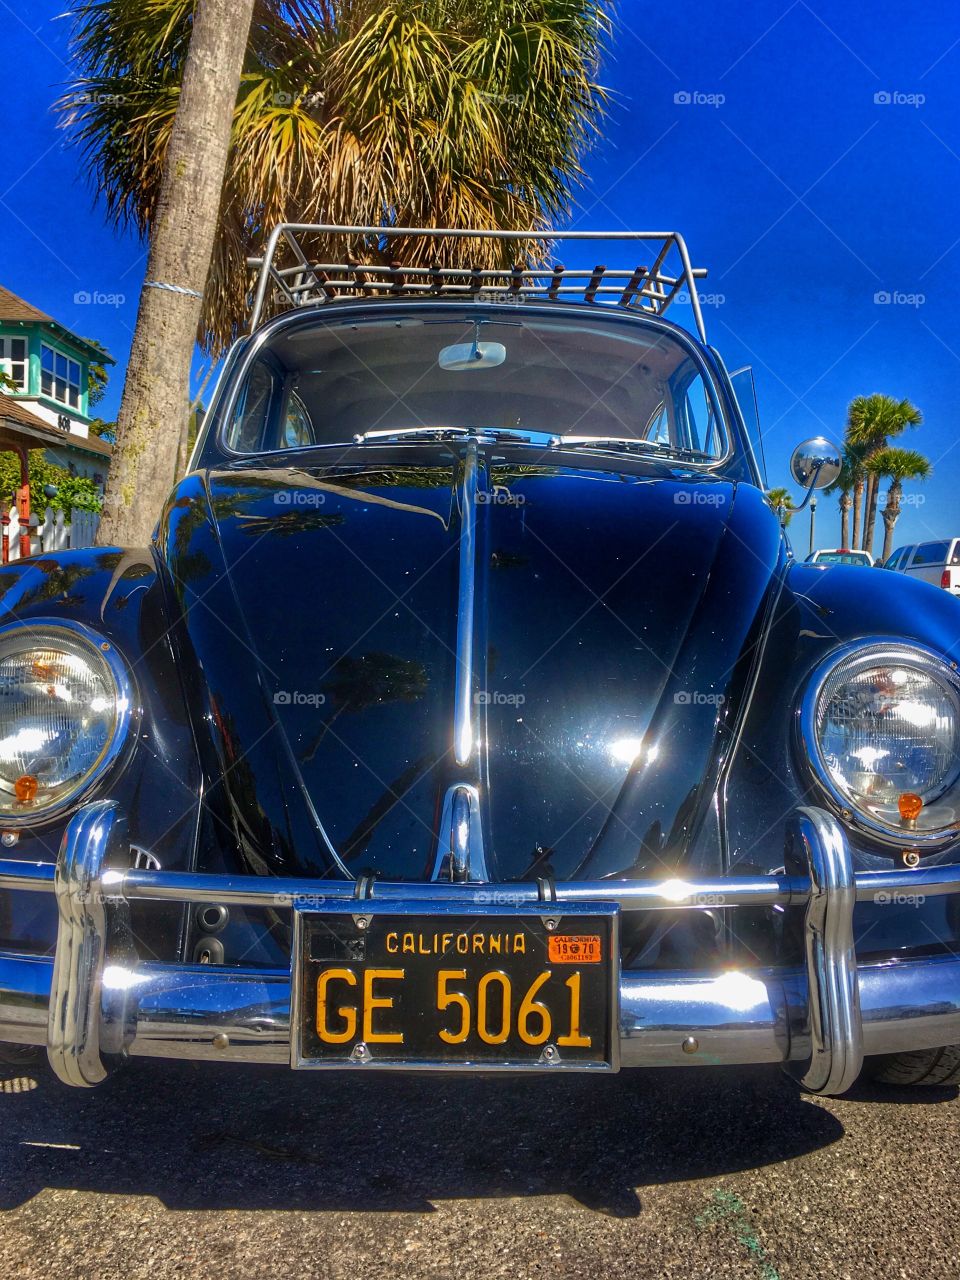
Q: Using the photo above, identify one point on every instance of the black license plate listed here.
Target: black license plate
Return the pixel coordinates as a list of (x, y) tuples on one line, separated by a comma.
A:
[(481, 988)]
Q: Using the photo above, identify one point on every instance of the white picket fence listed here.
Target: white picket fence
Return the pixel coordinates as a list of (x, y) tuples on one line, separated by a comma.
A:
[(54, 532)]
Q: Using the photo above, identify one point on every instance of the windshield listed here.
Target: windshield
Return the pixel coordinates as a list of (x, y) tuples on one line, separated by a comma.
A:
[(543, 377), (841, 557)]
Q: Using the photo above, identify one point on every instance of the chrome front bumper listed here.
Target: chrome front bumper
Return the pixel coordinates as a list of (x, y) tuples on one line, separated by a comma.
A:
[(95, 1001)]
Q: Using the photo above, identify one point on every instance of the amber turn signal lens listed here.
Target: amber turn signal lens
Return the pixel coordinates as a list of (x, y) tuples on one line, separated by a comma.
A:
[(25, 788), (909, 806)]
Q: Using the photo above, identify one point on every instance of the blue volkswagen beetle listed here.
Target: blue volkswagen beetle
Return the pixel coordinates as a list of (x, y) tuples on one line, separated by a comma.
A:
[(468, 711)]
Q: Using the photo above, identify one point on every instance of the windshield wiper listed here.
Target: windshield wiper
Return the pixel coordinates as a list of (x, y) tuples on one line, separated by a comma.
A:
[(481, 434), (626, 443)]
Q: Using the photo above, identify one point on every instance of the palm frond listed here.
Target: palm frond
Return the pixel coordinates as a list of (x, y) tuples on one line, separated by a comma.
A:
[(872, 419), (470, 113), (900, 464)]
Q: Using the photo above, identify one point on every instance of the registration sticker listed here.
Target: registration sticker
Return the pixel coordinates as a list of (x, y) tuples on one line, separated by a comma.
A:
[(569, 948)]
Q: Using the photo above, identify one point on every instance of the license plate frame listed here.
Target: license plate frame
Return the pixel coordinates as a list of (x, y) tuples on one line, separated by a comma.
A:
[(574, 920)]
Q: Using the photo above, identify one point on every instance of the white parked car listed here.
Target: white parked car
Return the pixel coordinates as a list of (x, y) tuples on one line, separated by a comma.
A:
[(936, 562), (842, 555)]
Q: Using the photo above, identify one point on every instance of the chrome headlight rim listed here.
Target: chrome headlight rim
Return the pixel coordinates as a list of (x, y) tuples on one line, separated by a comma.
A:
[(868, 652), (45, 629)]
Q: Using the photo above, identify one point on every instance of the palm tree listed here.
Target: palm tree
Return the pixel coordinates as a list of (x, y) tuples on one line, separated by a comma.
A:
[(851, 475), (781, 504), (369, 112), (183, 227), (897, 465), (871, 421)]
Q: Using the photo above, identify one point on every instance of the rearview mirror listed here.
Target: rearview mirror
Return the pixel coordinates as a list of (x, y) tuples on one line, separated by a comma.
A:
[(472, 355), (816, 463)]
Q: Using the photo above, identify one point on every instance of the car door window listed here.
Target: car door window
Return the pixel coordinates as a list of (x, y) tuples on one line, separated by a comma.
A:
[(695, 419), (254, 409), (897, 559), (297, 427), (929, 553)]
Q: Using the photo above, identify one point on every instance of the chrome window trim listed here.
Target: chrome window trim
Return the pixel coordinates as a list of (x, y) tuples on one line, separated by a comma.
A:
[(757, 467), (127, 708), (211, 416), (732, 430), (869, 649)]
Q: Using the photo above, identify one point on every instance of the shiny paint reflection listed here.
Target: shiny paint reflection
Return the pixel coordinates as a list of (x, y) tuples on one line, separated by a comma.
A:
[(607, 634)]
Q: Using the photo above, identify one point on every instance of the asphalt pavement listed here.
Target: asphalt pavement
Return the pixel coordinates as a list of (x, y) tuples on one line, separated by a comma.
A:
[(176, 1169)]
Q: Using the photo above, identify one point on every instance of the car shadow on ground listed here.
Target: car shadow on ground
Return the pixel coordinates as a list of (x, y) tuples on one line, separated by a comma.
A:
[(867, 1090), (222, 1137)]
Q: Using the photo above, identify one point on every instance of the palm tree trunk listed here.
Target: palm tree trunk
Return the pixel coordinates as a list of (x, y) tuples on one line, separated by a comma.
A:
[(845, 503), (157, 389), (870, 517), (857, 508), (891, 514)]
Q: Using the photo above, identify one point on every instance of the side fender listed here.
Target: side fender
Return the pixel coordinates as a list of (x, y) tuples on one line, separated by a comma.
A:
[(156, 782)]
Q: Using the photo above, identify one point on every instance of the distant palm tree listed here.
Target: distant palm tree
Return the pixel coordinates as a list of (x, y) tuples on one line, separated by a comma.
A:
[(897, 465), (871, 421), (851, 474), (781, 504)]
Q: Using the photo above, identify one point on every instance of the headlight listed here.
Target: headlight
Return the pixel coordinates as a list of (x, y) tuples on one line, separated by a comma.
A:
[(880, 721), (64, 713)]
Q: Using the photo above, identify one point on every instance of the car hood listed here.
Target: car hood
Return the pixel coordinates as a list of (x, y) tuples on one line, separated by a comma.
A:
[(613, 619)]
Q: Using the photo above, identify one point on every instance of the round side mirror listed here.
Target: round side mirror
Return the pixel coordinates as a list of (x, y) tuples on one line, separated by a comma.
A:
[(816, 462)]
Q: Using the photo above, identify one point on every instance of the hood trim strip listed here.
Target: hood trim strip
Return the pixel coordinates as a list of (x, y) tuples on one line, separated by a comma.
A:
[(460, 855), (463, 737)]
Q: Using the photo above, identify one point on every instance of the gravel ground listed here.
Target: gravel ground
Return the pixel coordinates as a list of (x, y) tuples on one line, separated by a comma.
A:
[(172, 1169)]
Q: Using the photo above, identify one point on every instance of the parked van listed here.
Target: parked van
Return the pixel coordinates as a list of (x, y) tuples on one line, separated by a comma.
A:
[(936, 562)]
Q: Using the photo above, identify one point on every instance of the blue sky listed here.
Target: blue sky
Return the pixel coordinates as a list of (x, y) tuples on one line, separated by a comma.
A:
[(809, 152)]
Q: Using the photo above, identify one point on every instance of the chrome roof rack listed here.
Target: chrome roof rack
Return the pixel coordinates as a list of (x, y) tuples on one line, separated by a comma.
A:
[(298, 281)]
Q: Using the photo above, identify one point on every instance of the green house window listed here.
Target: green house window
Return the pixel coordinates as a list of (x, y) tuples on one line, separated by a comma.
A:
[(59, 377), (13, 361)]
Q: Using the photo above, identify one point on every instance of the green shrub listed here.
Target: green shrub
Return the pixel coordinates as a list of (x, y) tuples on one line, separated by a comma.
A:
[(72, 491)]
